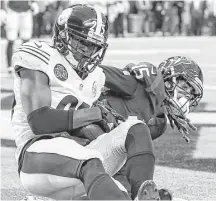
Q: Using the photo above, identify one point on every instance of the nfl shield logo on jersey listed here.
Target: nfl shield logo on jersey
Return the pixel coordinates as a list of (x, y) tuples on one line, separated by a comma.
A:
[(60, 72)]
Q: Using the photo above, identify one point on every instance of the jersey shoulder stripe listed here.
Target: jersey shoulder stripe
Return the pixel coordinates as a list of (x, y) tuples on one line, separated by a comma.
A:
[(36, 48), (40, 54), (33, 55), (29, 52)]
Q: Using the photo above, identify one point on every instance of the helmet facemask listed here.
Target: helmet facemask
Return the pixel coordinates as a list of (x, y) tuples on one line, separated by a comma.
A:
[(183, 81), (182, 96), (74, 44), (183, 93)]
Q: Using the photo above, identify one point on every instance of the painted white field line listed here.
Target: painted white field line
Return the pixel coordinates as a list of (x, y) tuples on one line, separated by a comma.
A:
[(169, 38), (203, 118), (206, 143), (122, 61), (210, 87), (153, 51), (140, 39), (209, 107)]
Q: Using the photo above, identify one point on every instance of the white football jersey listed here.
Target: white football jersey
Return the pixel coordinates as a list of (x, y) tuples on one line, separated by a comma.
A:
[(67, 88)]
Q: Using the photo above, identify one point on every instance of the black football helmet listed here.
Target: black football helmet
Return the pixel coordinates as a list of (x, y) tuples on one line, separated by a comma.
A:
[(181, 68), (89, 27)]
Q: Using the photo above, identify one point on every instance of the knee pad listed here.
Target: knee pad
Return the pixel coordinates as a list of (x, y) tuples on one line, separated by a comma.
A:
[(138, 140)]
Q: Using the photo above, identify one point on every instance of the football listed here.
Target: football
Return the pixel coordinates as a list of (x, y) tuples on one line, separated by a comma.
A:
[(91, 132)]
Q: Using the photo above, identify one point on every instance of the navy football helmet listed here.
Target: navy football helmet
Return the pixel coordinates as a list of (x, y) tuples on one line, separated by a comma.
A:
[(183, 81), (89, 27), (177, 69)]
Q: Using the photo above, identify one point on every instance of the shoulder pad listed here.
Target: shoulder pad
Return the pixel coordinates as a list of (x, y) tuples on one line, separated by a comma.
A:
[(33, 55), (148, 74), (153, 77)]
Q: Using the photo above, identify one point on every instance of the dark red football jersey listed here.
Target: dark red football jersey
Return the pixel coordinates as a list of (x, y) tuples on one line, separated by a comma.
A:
[(132, 97)]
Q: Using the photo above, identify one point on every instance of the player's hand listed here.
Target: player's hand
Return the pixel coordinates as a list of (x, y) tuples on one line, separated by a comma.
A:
[(110, 118)]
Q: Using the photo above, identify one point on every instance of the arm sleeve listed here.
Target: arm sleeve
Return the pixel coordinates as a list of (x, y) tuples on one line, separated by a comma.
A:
[(47, 120), (116, 80)]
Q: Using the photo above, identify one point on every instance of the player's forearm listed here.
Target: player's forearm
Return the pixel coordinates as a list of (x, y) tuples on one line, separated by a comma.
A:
[(157, 126), (47, 120)]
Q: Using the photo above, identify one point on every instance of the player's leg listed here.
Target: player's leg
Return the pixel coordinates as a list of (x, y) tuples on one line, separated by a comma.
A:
[(112, 146), (130, 142), (98, 184), (9, 49), (53, 167), (140, 157), (26, 27), (11, 33), (65, 194)]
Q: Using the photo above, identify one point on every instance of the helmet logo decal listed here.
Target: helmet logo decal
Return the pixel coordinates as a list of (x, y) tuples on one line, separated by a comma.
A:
[(64, 16), (94, 89), (97, 28), (99, 21), (93, 30), (60, 72)]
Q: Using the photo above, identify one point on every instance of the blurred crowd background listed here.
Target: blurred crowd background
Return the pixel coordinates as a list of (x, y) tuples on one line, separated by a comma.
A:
[(141, 18)]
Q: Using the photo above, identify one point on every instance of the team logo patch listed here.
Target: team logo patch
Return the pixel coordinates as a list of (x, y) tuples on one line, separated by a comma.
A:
[(60, 72), (94, 89), (64, 16)]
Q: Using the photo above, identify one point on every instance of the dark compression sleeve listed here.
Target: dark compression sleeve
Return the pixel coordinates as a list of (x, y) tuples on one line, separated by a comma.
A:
[(47, 120)]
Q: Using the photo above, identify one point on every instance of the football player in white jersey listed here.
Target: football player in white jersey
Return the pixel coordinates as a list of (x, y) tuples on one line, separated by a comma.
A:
[(55, 87), (19, 20)]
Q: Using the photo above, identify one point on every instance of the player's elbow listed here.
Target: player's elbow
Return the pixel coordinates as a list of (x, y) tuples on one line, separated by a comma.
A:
[(45, 120), (36, 123), (157, 127)]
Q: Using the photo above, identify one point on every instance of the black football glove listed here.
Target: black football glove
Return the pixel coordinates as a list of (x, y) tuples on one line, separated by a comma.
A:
[(110, 118)]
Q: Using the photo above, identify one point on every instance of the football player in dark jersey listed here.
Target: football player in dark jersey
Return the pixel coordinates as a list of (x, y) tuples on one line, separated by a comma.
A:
[(173, 90)]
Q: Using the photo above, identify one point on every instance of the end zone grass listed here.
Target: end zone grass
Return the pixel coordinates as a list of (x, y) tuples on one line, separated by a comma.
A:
[(176, 169)]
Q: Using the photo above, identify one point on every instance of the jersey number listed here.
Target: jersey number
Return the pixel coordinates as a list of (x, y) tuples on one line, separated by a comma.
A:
[(142, 69), (72, 101)]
